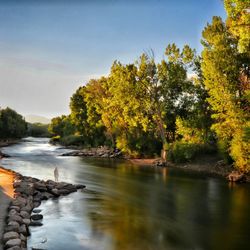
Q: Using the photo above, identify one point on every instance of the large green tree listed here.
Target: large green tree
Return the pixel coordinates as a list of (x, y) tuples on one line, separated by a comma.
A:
[(12, 124), (222, 65)]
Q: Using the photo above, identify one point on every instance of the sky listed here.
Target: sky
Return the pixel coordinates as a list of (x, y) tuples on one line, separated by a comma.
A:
[(50, 48)]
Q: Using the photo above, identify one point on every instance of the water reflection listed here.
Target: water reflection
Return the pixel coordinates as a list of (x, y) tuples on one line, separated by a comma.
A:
[(131, 207)]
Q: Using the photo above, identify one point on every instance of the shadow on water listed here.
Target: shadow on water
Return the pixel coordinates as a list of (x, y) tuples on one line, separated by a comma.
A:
[(131, 207)]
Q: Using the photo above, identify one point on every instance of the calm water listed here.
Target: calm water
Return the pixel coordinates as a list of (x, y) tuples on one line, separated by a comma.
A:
[(130, 207)]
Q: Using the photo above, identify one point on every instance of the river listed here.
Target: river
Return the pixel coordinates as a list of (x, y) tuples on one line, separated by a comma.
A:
[(128, 207)]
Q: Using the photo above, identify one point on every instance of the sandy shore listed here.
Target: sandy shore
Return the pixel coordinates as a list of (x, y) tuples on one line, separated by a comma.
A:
[(6, 194)]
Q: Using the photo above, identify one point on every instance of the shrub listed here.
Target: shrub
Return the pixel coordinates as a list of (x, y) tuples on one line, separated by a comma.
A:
[(180, 152), (72, 140)]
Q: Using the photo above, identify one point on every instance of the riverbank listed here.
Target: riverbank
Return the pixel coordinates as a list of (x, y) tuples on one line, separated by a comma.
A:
[(8, 142), (6, 195), (207, 165), (25, 194)]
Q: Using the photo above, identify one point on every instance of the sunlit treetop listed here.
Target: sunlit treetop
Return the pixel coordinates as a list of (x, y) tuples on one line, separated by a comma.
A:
[(238, 21)]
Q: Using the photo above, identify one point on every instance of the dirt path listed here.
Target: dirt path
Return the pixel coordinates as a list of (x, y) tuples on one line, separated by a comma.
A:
[(6, 194)]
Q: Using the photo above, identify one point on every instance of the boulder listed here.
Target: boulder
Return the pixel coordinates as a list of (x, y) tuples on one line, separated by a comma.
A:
[(27, 208), (13, 242), (36, 223), (13, 212), (19, 201), (23, 238), (16, 218), (14, 208), (26, 221), (46, 196), (37, 204), (40, 186), (54, 192), (9, 236), (12, 228), (37, 211), (80, 186), (24, 230), (13, 223), (64, 191), (25, 214), (37, 217)]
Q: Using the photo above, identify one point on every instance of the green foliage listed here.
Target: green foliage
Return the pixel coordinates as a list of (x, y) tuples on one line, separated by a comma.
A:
[(12, 124), (38, 130), (61, 126), (227, 83), (72, 140), (137, 104), (238, 22), (181, 152)]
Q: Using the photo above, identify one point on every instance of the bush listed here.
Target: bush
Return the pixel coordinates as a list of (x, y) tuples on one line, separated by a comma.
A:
[(55, 139), (180, 152), (223, 147), (72, 140)]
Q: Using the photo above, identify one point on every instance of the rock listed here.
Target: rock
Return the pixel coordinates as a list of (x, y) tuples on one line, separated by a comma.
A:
[(37, 217), (37, 211), (64, 191), (9, 236), (14, 228), (16, 184), (13, 242), (236, 176), (79, 186), (22, 237), (37, 196), (16, 218), (26, 221), (36, 223), (13, 223), (13, 212), (24, 230), (46, 196), (19, 201), (25, 214), (105, 155), (40, 186), (37, 204), (15, 248), (14, 208), (27, 208), (27, 190), (54, 192)]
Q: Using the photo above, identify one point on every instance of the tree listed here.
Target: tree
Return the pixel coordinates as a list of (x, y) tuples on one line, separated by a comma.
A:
[(12, 124), (238, 22), (221, 67)]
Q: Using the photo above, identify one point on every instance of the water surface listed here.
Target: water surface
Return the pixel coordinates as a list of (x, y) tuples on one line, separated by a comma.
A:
[(126, 207)]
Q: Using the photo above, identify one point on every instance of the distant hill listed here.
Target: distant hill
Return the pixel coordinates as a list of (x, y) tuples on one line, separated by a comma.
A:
[(37, 119)]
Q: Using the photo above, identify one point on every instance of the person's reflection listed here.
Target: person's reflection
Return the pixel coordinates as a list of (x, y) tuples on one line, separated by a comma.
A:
[(56, 174), (164, 174)]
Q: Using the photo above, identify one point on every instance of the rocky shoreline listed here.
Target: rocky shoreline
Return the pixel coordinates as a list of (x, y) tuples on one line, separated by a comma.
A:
[(102, 152), (22, 211)]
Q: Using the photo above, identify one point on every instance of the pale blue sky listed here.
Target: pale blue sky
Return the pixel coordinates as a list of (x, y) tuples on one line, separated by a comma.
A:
[(49, 48)]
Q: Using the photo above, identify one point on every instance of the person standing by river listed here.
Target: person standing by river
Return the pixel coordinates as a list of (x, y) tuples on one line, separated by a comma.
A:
[(56, 174)]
